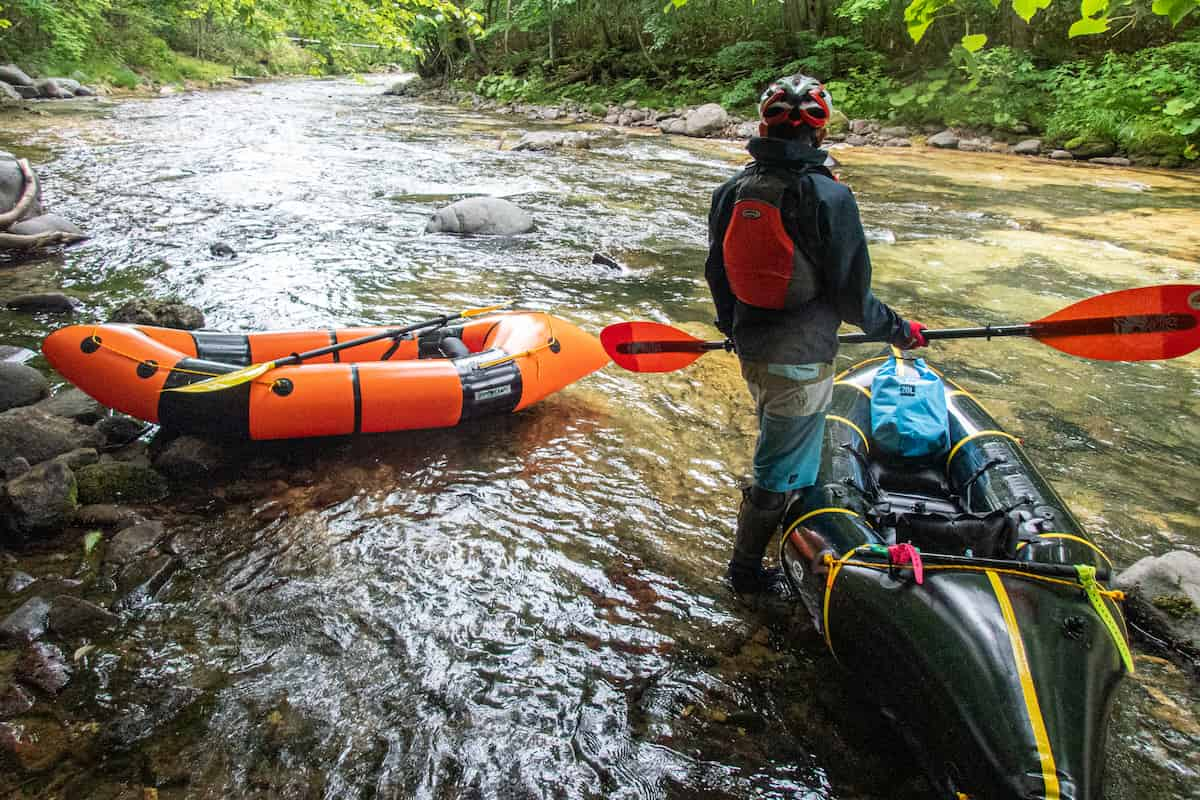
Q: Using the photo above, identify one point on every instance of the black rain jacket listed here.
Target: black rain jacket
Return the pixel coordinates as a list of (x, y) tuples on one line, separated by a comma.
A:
[(823, 219)]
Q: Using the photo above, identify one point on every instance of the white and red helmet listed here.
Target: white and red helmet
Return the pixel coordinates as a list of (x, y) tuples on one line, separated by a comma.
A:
[(796, 100)]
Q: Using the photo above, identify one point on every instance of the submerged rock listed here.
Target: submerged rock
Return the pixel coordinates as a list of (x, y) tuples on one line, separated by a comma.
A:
[(133, 542), (481, 215), (28, 622), (14, 701), (189, 457), (47, 223), (52, 302), (44, 666), (71, 616)]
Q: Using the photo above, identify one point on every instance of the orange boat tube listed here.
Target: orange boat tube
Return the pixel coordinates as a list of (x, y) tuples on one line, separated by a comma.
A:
[(497, 364)]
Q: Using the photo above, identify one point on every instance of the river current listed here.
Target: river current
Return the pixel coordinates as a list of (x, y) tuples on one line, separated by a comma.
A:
[(532, 606)]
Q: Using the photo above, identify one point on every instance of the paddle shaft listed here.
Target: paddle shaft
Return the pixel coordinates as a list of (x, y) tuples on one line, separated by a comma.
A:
[(296, 358), (1151, 323)]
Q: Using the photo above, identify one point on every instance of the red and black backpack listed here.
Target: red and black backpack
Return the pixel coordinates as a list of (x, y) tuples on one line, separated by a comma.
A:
[(765, 265)]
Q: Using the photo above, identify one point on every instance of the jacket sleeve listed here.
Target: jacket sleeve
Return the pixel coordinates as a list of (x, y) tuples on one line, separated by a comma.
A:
[(714, 266), (848, 265)]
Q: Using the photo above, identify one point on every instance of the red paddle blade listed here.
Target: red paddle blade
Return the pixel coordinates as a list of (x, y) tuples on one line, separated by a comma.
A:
[(650, 346), (1153, 322)]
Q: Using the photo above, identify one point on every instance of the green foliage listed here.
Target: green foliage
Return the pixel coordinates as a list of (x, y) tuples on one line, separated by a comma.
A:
[(743, 56)]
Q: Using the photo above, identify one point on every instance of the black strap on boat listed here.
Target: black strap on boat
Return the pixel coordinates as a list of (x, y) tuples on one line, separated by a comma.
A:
[(965, 490), (874, 491)]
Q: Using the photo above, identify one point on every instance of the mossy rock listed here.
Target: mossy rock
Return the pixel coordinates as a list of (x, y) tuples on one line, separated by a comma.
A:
[(1171, 162), (1179, 606), (119, 482), (838, 123), (1157, 144), (598, 109), (1083, 147)]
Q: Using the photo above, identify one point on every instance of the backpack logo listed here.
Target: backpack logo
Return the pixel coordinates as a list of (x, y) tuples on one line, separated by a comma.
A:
[(1194, 300), (908, 390), (750, 213)]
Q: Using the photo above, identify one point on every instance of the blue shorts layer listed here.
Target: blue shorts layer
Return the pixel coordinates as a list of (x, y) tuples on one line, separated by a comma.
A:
[(790, 401)]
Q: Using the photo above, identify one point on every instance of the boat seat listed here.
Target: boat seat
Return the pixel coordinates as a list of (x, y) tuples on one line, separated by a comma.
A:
[(453, 347), (908, 477)]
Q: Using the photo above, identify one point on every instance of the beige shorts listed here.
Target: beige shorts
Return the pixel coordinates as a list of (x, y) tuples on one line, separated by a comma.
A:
[(789, 390)]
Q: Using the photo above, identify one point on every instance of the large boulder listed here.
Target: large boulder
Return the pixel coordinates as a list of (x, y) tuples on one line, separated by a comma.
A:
[(37, 436), (43, 499), (50, 89), (946, 140), (20, 385), (163, 313), (9, 94), (14, 76), (48, 302), (12, 184), (1028, 147), (1163, 596), (482, 215), (707, 120), (46, 223), (549, 140)]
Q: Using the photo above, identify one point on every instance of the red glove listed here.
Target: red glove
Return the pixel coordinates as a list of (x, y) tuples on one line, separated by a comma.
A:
[(915, 337)]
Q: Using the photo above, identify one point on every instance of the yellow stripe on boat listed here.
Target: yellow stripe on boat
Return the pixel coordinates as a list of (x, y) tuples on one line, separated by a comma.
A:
[(1034, 710), (954, 450), (858, 430)]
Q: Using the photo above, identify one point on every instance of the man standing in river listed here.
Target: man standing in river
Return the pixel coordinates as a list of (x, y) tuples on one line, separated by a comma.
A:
[(787, 264)]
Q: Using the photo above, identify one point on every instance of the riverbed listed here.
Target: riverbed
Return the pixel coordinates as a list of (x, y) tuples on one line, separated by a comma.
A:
[(532, 606)]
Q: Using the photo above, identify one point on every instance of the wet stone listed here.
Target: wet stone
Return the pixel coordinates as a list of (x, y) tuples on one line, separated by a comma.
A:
[(44, 666), (73, 404), (188, 458), (140, 581), (20, 385), (106, 515), (37, 436), (14, 701), (71, 616), (37, 744), (119, 430), (163, 313), (133, 541), (17, 582), (52, 302), (42, 499), (148, 717), (28, 622), (14, 468)]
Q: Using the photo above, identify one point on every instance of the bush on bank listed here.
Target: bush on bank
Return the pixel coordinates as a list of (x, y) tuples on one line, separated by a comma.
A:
[(1144, 102)]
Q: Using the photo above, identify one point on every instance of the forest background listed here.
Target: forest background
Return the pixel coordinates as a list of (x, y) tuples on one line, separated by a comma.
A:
[(1125, 72)]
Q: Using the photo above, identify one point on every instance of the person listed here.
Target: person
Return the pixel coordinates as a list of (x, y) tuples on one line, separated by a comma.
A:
[(787, 264)]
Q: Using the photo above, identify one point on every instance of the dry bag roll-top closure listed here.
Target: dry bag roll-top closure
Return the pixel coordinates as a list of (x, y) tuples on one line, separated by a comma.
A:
[(764, 265)]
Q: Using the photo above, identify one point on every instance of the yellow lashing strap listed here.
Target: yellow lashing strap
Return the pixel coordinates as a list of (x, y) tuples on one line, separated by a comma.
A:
[(858, 430), (1087, 578), (954, 450), (853, 385), (1034, 710)]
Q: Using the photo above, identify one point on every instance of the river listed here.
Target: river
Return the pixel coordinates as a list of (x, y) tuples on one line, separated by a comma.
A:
[(531, 606)]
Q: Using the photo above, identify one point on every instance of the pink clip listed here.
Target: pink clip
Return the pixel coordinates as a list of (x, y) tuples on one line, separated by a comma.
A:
[(907, 554)]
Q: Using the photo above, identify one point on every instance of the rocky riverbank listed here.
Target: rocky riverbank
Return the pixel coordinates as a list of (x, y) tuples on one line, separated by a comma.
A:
[(712, 120)]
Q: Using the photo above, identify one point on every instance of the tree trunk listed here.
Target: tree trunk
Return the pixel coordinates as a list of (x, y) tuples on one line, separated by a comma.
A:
[(550, 12), (508, 19)]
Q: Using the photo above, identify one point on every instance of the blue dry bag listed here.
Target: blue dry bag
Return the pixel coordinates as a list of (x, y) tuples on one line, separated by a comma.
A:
[(908, 410)]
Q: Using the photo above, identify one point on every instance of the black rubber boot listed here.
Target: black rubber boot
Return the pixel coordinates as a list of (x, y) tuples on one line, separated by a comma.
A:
[(758, 519)]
